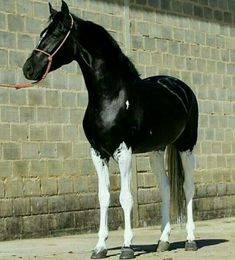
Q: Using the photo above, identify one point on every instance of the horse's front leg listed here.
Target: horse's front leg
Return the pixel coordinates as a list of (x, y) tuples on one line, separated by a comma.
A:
[(123, 156), (100, 164)]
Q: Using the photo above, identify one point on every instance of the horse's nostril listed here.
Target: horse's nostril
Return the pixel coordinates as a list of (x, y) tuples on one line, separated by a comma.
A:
[(29, 70)]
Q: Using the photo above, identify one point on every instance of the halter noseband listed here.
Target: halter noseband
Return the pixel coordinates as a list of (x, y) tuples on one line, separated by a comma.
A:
[(49, 57)]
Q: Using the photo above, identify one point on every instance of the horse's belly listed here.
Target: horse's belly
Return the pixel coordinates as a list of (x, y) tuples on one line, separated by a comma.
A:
[(157, 137)]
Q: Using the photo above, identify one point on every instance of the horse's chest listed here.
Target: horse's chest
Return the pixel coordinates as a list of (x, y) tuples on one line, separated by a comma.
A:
[(104, 125), (102, 131)]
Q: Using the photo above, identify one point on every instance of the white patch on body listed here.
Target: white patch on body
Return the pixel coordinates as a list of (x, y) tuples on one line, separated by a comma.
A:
[(111, 109), (127, 104)]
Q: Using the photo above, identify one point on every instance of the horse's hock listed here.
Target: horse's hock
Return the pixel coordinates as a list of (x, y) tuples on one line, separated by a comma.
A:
[(48, 184)]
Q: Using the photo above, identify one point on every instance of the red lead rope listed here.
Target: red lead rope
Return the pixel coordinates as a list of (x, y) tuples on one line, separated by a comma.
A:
[(49, 56)]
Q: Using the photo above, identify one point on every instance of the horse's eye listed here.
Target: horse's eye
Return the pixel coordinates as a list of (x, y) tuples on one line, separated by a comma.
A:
[(60, 27)]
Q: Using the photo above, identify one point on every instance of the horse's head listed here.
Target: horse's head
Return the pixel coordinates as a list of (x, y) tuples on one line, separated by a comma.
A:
[(68, 38), (55, 47)]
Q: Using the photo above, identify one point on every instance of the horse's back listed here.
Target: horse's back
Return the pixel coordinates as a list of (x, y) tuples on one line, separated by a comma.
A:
[(168, 86)]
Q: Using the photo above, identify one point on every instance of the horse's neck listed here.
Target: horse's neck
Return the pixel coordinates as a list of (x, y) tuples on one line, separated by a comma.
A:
[(106, 76), (102, 85), (106, 70)]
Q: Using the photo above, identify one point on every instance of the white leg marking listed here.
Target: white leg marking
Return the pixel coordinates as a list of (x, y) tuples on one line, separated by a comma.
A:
[(123, 156), (157, 164), (104, 198), (189, 189)]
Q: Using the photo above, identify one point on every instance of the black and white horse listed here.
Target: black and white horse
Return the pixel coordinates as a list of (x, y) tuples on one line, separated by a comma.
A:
[(125, 115)]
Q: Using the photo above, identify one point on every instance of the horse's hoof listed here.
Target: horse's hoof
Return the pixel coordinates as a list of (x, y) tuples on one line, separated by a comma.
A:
[(99, 254), (190, 246), (127, 253), (163, 246)]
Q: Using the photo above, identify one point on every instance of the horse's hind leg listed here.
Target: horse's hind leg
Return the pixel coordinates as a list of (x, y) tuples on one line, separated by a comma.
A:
[(100, 250), (123, 155), (157, 165), (188, 162)]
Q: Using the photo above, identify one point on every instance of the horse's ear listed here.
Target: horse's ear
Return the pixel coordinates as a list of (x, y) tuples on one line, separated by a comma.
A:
[(64, 8), (52, 10)]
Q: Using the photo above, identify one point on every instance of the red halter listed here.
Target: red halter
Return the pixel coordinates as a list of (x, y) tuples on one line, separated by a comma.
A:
[(49, 57)]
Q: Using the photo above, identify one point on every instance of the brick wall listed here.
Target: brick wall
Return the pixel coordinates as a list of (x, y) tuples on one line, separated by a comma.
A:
[(47, 181)]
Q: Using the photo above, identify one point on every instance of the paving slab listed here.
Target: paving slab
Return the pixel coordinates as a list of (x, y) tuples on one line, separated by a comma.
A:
[(215, 239)]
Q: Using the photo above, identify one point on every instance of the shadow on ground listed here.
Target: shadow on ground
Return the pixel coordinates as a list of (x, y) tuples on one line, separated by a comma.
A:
[(151, 248), (200, 243)]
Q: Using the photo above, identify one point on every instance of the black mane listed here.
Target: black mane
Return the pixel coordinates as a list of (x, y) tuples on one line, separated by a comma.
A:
[(103, 44)]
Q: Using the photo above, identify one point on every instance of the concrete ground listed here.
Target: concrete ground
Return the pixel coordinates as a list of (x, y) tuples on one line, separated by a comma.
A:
[(215, 238)]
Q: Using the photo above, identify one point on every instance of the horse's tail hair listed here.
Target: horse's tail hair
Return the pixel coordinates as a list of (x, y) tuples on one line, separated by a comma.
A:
[(176, 178)]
